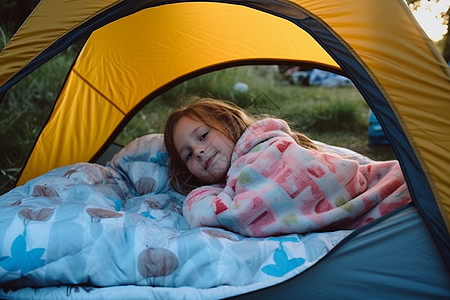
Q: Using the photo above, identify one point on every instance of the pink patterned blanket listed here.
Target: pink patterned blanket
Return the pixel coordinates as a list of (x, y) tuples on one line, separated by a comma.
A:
[(275, 186)]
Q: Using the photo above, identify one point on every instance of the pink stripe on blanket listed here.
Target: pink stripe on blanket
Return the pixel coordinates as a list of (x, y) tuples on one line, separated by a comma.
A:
[(264, 219)]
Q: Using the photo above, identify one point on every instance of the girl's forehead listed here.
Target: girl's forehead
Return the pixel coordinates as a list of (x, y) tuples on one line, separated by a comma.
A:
[(184, 131), (188, 121), (208, 121)]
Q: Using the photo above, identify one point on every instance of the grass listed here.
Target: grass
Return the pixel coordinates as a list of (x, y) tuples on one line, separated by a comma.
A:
[(337, 116), (24, 111)]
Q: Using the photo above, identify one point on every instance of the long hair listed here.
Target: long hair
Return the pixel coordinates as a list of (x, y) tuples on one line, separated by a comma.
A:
[(222, 116)]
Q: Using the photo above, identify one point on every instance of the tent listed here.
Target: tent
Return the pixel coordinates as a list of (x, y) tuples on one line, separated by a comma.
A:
[(137, 49)]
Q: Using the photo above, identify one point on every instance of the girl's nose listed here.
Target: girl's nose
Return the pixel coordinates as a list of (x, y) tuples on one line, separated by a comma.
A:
[(199, 151)]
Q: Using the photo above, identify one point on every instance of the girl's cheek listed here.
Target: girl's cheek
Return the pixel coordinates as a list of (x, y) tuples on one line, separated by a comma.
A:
[(192, 167)]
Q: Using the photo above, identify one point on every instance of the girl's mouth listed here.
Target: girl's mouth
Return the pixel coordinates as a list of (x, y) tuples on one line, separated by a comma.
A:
[(209, 161)]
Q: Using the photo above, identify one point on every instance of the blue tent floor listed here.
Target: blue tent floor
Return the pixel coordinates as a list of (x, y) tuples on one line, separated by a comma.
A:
[(395, 258)]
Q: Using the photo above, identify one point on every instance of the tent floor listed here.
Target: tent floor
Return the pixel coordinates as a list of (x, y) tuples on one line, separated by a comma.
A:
[(374, 262)]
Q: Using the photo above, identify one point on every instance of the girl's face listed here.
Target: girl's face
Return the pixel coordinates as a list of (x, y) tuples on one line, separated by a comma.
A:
[(205, 151)]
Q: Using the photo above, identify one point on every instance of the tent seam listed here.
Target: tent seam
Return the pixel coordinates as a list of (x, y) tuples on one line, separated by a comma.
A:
[(98, 91)]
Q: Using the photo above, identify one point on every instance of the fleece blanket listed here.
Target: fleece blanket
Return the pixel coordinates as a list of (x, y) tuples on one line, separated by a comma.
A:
[(274, 186), (88, 231)]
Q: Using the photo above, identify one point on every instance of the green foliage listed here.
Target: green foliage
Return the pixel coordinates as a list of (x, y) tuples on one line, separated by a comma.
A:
[(24, 111), (328, 110), (14, 12)]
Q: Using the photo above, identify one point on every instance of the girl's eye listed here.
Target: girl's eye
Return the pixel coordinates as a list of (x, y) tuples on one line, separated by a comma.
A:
[(203, 136), (188, 156)]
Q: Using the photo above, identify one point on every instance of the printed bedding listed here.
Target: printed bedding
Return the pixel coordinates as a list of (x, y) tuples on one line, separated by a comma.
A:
[(89, 231)]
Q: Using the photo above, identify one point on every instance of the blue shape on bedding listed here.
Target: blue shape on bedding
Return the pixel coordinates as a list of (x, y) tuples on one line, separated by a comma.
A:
[(160, 158), (117, 203), (147, 215), (282, 265), (21, 259), (282, 239)]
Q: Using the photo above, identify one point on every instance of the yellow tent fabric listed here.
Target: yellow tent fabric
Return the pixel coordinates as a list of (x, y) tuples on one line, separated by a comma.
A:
[(50, 20), (116, 71)]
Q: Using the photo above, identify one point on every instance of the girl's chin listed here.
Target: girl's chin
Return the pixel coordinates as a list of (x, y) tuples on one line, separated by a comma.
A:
[(216, 179)]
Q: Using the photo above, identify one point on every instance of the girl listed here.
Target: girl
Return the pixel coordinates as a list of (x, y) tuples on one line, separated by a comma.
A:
[(259, 178)]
